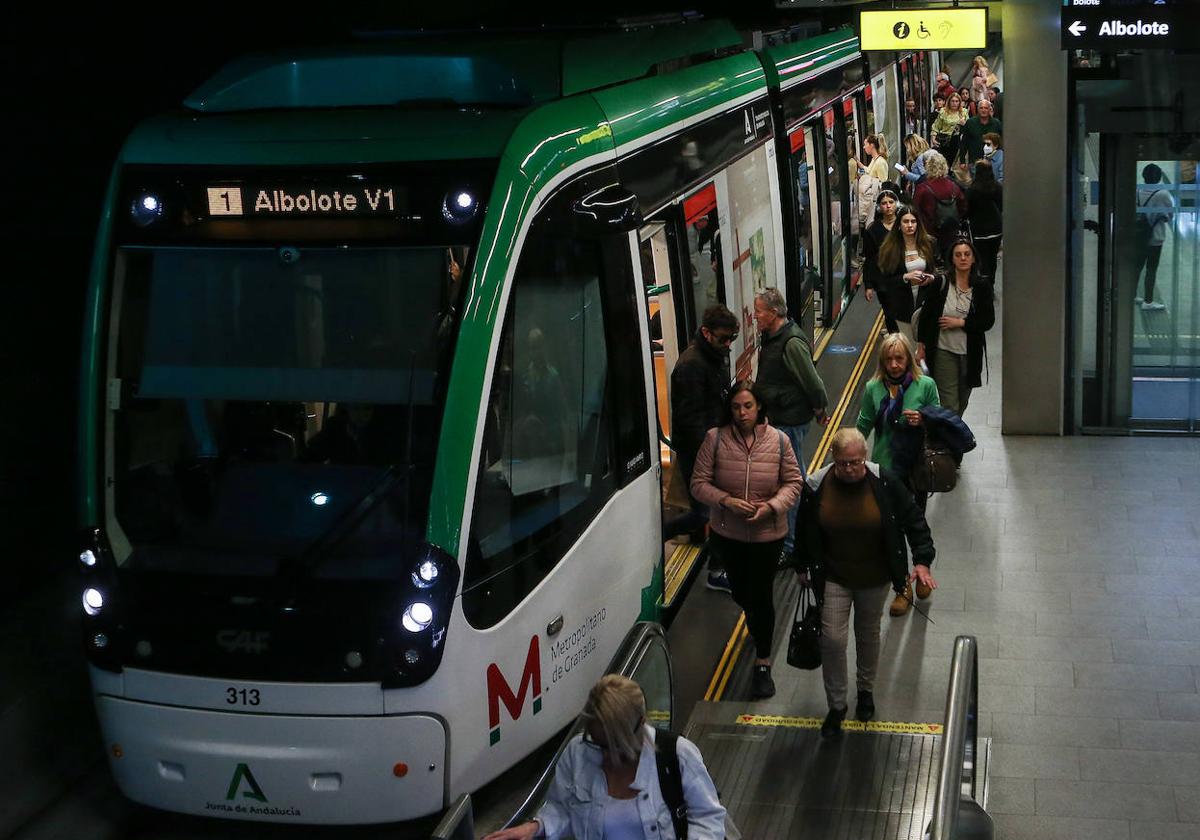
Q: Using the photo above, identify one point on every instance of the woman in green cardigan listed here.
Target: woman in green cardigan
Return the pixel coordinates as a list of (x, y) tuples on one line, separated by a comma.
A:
[(891, 409)]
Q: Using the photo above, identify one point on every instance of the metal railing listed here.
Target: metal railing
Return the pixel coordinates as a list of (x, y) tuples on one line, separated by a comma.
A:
[(958, 774), (637, 642), (458, 823)]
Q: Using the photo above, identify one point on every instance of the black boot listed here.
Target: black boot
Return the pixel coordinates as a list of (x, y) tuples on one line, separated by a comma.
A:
[(832, 727), (761, 684), (865, 710)]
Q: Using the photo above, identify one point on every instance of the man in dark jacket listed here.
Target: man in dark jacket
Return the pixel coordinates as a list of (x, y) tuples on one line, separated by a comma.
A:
[(791, 388), (972, 134), (858, 523), (698, 384)]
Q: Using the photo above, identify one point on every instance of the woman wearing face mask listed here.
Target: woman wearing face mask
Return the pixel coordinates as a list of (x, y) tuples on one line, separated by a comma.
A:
[(993, 153), (885, 219), (985, 203), (905, 262), (891, 411), (955, 314)]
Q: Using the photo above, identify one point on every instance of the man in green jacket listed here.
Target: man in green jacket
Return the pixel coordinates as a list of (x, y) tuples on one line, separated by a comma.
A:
[(973, 131), (791, 388)]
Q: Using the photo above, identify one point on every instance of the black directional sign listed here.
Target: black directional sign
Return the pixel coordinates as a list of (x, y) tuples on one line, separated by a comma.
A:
[(1121, 26)]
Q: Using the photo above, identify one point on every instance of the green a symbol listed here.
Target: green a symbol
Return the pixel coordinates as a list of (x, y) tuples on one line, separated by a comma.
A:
[(243, 773)]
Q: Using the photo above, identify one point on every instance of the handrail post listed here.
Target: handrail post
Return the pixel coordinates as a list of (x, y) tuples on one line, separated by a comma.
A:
[(959, 740)]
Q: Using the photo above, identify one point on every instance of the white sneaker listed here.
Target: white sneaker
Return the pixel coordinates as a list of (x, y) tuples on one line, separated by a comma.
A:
[(1153, 306)]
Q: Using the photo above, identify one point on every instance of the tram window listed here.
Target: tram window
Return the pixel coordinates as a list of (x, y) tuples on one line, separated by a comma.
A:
[(704, 242), (546, 468)]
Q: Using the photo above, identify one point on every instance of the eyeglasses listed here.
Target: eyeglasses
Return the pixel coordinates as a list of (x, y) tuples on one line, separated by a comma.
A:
[(846, 465), (725, 338)]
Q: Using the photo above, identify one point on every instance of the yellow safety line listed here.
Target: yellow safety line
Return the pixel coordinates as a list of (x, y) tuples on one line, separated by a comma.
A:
[(712, 685), (679, 571), (793, 722), (737, 639), (822, 343)]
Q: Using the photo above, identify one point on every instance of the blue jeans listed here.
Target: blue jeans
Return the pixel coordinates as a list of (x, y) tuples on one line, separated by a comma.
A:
[(796, 435)]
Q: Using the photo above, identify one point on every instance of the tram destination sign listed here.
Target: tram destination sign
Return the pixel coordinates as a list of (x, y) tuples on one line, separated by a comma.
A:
[(309, 199), (924, 29), (1092, 26)]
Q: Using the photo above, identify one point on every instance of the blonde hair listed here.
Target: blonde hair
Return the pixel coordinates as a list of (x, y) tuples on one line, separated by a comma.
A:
[(845, 438), (936, 166), (890, 342), (617, 707), (914, 145), (880, 144)]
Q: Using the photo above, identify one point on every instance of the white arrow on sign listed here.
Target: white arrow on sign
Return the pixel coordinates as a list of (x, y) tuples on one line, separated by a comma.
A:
[(1077, 28)]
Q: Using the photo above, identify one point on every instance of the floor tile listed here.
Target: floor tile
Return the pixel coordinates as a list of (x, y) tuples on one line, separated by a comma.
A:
[(1105, 800)]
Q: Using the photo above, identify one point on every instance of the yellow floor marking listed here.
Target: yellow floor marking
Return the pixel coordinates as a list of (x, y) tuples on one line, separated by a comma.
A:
[(889, 726), (737, 639), (677, 570)]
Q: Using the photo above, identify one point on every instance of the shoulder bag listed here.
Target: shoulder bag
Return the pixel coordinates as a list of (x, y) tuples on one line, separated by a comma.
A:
[(935, 470), (804, 646)]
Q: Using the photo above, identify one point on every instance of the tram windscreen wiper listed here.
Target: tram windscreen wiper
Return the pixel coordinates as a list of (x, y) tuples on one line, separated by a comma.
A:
[(320, 549)]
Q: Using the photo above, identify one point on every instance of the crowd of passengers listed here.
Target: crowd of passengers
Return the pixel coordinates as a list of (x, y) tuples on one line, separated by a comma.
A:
[(854, 530)]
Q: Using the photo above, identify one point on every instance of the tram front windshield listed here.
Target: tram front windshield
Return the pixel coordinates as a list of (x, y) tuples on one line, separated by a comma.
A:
[(277, 408)]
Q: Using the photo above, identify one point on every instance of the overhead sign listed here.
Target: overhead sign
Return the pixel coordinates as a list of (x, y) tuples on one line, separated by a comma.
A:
[(923, 29), (1088, 26)]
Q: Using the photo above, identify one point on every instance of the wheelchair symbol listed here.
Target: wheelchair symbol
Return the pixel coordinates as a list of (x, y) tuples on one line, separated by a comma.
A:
[(901, 30), (922, 32)]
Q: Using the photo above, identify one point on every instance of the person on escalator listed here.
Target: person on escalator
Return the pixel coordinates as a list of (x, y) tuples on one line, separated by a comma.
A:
[(858, 521), (606, 783), (748, 476)]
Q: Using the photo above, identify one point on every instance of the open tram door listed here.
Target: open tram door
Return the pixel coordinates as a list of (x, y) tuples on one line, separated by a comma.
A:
[(684, 235)]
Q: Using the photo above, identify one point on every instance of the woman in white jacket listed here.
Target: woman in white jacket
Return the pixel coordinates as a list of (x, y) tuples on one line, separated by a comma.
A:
[(606, 782)]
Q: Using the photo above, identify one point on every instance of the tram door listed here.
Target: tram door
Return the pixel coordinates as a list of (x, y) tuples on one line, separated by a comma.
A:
[(805, 292), (837, 170)]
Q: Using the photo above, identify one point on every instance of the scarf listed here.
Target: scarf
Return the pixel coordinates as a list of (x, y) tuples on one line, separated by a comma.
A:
[(893, 405)]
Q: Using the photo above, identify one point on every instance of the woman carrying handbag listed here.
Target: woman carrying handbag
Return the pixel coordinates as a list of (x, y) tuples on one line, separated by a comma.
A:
[(859, 522)]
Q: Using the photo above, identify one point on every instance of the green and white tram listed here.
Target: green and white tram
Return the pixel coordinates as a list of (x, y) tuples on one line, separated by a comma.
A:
[(376, 349)]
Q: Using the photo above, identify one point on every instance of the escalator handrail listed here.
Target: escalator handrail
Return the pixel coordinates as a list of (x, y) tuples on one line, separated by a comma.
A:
[(627, 657), (959, 740)]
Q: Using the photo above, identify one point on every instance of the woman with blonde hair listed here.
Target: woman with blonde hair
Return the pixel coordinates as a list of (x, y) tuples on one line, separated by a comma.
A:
[(891, 410), (905, 264), (606, 781), (915, 148), (940, 202), (947, 127)]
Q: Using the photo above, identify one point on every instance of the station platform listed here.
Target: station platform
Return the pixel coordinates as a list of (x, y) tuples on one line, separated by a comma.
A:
[(1074, 563)]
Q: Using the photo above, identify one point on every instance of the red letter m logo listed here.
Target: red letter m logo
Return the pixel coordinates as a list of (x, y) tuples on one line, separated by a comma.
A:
[(499, 691)]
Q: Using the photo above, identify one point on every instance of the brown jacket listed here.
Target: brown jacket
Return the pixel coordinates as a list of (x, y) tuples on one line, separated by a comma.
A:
[(766, 472)]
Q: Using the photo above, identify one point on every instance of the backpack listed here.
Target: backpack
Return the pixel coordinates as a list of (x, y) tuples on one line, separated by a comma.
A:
[(1143, 224), (670, 781), (945, 217)]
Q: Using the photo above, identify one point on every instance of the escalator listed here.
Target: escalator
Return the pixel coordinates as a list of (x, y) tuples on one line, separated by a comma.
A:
[(778, 779)]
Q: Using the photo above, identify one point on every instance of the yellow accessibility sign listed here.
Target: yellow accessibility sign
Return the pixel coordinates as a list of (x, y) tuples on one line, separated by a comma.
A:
[(923, 29), (888, 726)]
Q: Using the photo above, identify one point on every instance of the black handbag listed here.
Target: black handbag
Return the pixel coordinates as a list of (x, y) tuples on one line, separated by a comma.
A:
[(804, 646), (935, 471)]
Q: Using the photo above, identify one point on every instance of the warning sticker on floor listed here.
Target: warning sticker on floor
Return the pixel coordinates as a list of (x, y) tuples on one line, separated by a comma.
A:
[(889, 726)]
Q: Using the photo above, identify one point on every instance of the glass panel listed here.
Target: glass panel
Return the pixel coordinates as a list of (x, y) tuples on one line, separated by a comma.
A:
[(1087, 255), (262, 398), (653, 674), (837, 167), (545, 470), (707, 267), (1166, 304), (752, 235)]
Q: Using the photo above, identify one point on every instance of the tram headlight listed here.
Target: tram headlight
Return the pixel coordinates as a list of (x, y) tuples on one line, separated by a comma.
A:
[(426, 574), (459, 206), (417, 617), (93, 601), (146, 210)]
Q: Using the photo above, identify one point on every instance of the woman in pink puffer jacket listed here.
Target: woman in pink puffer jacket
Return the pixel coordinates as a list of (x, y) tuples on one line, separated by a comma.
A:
[(747, 475)]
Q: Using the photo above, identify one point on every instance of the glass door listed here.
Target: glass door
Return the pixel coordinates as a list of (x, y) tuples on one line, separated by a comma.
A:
[(1162, 285)]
